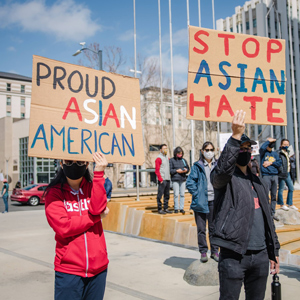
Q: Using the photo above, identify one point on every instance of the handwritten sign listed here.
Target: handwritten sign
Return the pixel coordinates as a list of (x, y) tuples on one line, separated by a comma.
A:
[(231, 71), (76, 111)]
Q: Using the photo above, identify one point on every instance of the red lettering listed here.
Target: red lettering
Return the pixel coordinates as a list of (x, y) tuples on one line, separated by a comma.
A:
[(197, 39), (226, 38), (246, 53), (271, 50), (253, 100), (111, 109), (204, 104), (271, 110), (72, 110), (224, 105)]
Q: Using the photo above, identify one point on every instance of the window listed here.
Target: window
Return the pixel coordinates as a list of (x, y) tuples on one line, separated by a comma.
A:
[(154, 147), (241, 28), (42, 188), (8, 87), (157, 108), (8, 101), (23, 102), (22, 88), (179, 111), (247, 25), (231, 29), (168, 109), (157, 121), (22, 115), (179, 122), (8, 113), (254, 23), (168, 121), (179, 99), (237, 28)]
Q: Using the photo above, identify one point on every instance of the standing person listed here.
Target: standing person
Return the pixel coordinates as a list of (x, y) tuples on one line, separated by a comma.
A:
[(254, 166), (108, 187), (285, 177), (4, 195), (244, 228), (270, 164), (74, 207), (178, 169), (162, 171), (199, 185), (293, 168)]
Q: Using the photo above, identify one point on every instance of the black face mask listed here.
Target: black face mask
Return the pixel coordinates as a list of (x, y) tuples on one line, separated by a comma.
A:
[(243, 159), (74, 172)]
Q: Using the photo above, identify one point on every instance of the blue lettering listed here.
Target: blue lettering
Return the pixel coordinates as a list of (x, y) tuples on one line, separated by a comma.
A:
[(257, 81), (199, 74), (115, 144), (242, 88), (62, 132), (83, 140), (228, 79), (280, 86), (100, 113), (36, 137), (131, 149), (100, 136), (71, 141)]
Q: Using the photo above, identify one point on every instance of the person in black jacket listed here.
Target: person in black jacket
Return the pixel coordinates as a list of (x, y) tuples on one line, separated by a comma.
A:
[(285, 177), (178, 169), (244, 228)]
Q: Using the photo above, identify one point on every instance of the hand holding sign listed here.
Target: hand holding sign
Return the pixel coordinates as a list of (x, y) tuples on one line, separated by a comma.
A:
[(238, 124), (100, 161)]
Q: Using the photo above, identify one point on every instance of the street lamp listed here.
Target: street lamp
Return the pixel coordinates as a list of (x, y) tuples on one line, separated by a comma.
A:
[(83, 48)]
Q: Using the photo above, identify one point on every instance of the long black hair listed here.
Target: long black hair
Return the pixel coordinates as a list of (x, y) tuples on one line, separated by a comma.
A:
[(176, 151), (203, 147), (62, 179)]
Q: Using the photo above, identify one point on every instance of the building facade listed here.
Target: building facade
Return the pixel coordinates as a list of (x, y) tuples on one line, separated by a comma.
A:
[(273, 19)]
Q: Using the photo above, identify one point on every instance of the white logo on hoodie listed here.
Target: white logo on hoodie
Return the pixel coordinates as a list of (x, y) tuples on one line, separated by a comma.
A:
[(73, 206)]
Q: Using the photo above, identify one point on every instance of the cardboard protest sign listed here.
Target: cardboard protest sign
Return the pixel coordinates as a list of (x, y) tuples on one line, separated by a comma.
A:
[(76, 111), (230, 71)]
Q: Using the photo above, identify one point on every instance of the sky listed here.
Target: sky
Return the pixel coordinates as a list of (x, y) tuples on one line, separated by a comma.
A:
[(54, 29)]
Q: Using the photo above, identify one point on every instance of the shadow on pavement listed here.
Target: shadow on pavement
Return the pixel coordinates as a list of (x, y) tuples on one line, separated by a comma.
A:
[(179, 262), (290, 272)]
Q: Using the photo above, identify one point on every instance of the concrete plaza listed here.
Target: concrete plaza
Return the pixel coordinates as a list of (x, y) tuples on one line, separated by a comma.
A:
[(138, 269)]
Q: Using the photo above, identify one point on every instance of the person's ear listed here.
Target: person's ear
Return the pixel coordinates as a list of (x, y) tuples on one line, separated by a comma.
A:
[(202, 152)]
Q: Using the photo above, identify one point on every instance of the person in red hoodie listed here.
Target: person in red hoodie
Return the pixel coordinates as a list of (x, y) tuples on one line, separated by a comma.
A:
[(74, 205)]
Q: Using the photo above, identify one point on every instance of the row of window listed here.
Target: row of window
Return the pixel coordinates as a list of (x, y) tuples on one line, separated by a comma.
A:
[(8, 88), (8, 101), (169, 122), (8, 114), (247, 26), (168, 109)]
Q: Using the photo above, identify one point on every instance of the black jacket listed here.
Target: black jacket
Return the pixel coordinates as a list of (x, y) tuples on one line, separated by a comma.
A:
[(234, 204), (284, 169), (175, 164)]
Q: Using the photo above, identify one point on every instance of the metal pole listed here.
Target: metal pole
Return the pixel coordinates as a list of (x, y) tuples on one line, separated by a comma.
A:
[(294, 95), (172, 76), (137, 167), (203, 122), (161, 81), (100, 60), (192, 121)]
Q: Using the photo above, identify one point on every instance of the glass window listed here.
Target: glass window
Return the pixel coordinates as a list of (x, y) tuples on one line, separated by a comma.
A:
[(42, 188), (22, 88), (23, 102), (254, 23), (8, 100), (157, 121), (154, 147), (8, 87), (247, 25), (8, 114), (168, 109), (168, 121), (231, 29), (179, 99), (22, 115), (179, 123), (179, 111)]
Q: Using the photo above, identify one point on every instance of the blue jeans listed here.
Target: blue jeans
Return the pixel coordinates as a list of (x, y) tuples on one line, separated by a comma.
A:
[(73, 287), (289, 183), (178, 187), (5, 200)]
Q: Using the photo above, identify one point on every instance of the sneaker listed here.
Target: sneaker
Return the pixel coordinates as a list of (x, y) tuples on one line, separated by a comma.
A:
[(276, 218), (284, 207), (5, 212), (293, 207), (182, 211), (162, 212), (176, 211), (168, 211), (215, 256), (204, 258)]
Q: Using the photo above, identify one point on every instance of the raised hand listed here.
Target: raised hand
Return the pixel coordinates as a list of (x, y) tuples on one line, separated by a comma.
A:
[(100, 161), (238, 124)]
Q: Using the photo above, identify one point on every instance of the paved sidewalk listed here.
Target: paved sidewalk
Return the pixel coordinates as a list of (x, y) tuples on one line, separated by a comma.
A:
[(138, 269)]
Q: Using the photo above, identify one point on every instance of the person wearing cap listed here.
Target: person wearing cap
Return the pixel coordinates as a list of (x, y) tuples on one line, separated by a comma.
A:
[(270, 166), (4, 195), (244, 227)]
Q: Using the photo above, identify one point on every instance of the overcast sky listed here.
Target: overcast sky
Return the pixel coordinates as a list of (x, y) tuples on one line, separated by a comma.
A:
[(54, 29)]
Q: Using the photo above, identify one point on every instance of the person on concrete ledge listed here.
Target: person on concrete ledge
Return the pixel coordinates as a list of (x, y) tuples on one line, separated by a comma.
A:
[(285, 177), (244, 227), (270, 166), (162, 171), (179, 167), (199, 185), (4, 195)]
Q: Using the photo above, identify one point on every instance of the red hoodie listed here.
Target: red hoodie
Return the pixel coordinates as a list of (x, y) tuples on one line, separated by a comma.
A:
[(75, 218)]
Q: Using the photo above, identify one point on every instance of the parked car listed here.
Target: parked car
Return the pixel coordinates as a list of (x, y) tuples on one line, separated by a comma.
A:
[(32, 194)]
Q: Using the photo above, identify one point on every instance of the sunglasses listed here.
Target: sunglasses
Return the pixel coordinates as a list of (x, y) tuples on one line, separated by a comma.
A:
[(246, 149), (71, 162), (207, 150)]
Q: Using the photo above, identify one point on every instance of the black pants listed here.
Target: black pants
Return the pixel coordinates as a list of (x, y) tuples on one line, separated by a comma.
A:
[(251, 269), (163, 189), (272, 181), (200, 219), (73, 287)]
